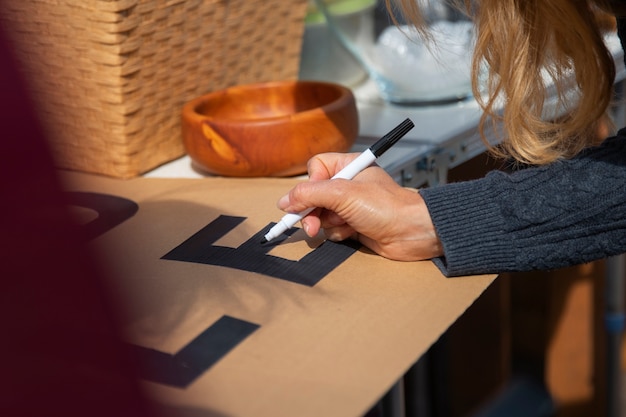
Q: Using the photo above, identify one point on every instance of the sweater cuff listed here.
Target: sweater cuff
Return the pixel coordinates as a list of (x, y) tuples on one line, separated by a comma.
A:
[(469, 222)]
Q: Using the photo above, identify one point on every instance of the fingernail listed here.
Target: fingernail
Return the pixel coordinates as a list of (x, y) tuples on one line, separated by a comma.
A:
[(305, 226), (283, 201)]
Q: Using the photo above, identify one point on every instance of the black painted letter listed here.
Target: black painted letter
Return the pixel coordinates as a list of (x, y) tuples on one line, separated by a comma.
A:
[(253, 257)]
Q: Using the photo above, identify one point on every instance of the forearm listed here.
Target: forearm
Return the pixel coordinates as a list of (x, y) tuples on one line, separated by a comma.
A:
[(558, 215)]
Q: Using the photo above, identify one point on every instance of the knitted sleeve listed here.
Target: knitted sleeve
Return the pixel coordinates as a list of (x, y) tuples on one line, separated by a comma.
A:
[(566, 213)]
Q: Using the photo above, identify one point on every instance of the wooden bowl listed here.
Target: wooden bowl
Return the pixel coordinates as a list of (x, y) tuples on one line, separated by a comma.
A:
[(268, 129)]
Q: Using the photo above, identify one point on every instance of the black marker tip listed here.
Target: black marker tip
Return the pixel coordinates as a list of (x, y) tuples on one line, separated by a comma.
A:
[(263, 241)]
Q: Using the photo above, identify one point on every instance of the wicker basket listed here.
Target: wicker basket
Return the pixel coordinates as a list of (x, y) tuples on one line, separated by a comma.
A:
[(110, 76)]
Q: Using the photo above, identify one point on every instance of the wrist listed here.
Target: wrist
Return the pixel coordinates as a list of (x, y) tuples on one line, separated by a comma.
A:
[(415, 237)]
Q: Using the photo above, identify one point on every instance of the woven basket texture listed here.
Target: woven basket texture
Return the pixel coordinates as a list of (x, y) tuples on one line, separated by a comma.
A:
[(110, 77)]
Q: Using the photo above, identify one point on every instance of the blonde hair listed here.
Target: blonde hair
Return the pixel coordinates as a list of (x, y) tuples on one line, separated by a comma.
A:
[(522, 48)]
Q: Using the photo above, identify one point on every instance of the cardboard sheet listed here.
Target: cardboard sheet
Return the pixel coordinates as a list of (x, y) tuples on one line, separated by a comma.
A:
[(217, 337)]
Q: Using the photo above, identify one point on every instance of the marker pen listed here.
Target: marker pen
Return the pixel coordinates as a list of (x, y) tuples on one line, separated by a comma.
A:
[(350, 171)]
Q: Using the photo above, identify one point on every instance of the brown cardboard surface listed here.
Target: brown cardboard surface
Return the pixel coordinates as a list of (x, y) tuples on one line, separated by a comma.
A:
[(332, 349)]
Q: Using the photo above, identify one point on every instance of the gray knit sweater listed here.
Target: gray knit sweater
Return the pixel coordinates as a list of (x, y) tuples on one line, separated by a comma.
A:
[(566, 213), (562, 214)]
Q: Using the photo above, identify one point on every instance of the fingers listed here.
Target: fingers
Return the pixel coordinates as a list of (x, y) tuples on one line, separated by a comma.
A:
[(311, 223), (309, 194), (324, 166), (330, 221), (335, 227), (325, 194), (318, 219), (333, 199), (312, 226)]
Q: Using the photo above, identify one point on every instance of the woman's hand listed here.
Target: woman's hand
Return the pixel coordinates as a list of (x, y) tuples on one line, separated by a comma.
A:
[(391, 220)]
